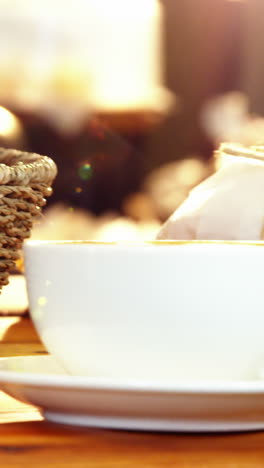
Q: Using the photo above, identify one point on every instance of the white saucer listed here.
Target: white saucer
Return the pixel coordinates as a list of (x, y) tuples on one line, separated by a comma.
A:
[(132, 405)]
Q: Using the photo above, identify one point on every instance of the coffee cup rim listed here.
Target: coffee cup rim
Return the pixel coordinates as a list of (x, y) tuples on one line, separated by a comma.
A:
[(166, 242)]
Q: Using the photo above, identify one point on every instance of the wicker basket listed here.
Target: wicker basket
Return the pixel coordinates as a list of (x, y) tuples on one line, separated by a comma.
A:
[(25, 182)]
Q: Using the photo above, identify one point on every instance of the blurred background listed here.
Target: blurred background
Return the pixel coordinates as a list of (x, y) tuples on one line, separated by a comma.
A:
[(130, 98)]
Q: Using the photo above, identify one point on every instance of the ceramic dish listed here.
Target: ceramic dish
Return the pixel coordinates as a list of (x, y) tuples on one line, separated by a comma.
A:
[(133, 405)]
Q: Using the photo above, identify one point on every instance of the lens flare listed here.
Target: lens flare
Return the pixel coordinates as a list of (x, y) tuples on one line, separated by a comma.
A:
[(85, 172)]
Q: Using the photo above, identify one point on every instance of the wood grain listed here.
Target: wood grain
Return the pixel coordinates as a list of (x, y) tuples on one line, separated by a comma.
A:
[(12, 410), (45, 445), (19, 337), (28, 441)]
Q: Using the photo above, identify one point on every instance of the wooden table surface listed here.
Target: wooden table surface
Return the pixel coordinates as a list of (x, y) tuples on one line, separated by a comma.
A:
[(28, 441)]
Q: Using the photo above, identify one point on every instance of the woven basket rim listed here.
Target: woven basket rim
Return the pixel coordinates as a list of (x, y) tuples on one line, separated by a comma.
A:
[(24, 168)]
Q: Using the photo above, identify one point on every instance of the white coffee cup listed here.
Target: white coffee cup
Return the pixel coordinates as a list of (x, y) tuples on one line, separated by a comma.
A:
[(159, 310)]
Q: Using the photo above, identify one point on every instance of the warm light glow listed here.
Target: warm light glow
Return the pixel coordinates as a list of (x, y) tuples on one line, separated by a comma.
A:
[(126, 60), (103, 55), (14, 298), (42, 301), (118, 229), (9, 124), (133, 9)]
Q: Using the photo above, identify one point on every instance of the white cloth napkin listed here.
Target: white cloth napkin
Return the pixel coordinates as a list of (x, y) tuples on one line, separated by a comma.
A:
[(229, 205)]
